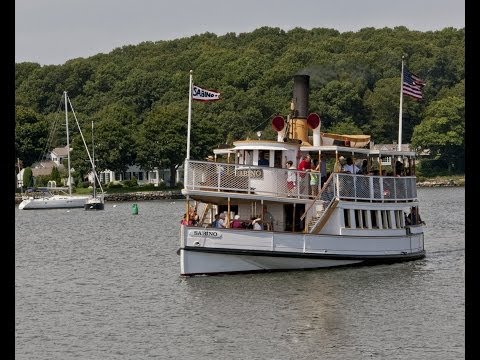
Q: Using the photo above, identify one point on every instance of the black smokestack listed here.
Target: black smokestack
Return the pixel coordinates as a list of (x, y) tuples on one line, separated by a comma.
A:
[(300, 95)]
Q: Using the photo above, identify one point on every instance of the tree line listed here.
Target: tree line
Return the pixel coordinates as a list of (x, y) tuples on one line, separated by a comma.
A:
[(137, 95)]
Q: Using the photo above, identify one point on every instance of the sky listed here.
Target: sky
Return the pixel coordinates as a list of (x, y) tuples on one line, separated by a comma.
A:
[(51, 32)]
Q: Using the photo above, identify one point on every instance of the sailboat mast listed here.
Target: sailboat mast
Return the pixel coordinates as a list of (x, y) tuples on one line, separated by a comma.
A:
[(68, 146), (93, 167)]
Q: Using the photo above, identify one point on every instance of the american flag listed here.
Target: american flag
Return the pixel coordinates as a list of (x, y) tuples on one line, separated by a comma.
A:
[(412, 84)]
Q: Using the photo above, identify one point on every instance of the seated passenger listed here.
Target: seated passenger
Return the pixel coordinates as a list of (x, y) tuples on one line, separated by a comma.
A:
[(236, 223), (414, 217), (257, 224)]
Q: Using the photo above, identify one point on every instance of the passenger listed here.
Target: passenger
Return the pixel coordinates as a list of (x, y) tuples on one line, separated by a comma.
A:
[(350, 167), (236, 223), (221, 221), (193, 216), (184, 220), (365, 167), (268, 223), (261, 159), (256, 224), (252, 221), (340, 164), (215, 222), (398, 168), (291, 178), (304, 165), (414, 217)]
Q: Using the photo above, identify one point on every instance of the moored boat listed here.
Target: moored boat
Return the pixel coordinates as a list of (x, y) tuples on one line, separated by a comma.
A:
[(96, 202), (348, 218), (52, 198), (49, 200)]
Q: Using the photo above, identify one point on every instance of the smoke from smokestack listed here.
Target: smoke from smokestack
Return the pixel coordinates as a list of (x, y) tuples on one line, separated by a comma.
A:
[(300, 95)]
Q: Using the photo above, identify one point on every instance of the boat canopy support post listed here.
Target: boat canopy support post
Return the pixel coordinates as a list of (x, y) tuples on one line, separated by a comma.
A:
[(227, 225), (293, 216), (187, 210)]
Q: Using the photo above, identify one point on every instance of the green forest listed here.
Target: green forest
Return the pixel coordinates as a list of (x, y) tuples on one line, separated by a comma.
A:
[(137, 95)]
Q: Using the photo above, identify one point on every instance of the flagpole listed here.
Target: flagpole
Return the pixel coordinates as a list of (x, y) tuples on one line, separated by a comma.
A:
[(400, 113), (189, 115)]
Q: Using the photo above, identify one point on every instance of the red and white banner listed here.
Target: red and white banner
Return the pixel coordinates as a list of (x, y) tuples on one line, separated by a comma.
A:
[(204, 95)]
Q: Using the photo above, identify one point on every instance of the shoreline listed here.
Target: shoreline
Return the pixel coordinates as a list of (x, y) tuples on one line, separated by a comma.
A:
[(177, 194), (133, 196)]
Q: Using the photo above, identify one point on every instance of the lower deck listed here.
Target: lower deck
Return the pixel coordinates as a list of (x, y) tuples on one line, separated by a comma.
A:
[(213, 250)]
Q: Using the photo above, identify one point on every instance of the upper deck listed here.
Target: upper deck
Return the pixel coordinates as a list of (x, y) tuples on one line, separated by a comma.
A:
[(210, 179)]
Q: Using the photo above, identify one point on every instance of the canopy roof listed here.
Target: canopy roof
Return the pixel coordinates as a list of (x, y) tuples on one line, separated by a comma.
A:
[(357, 141)]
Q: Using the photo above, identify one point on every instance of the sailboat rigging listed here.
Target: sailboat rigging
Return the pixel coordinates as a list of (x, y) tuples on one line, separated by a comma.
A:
[(57, 201), (96, 202)]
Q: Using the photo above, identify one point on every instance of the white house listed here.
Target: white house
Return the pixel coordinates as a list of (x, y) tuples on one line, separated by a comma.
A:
[(44, 167), (58, 154), (143, 177)]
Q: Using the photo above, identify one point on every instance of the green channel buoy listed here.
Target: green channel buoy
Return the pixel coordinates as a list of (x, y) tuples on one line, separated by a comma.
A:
[(134, 209)]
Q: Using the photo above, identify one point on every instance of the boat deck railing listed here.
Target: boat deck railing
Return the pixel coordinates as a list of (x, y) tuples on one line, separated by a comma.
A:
[(267, 181)]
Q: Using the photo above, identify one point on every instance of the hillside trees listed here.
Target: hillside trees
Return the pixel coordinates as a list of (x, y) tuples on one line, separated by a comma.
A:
[(161, 140), (354, 82), (443, 131), (115, 129), (30, 135)]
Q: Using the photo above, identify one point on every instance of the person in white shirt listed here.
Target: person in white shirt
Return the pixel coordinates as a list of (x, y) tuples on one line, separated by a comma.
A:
[(291, 177), (221, 221), (350, 167), (257, 225)]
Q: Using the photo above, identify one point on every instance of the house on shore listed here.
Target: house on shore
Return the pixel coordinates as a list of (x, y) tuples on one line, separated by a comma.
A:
[(144, 177), (44, 167)]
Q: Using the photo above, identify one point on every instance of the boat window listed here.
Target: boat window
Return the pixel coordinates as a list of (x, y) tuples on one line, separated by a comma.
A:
[(401, 218), (277, 159), (358, 218), (373, 218), (386, 219), (248, 157), (365, 218), (346, 218), (292, 217)]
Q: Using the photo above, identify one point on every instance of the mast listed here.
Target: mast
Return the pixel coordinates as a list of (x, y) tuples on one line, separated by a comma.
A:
[(93, 167), (399, 145), (68, 146), (189, 114), (85, 144)]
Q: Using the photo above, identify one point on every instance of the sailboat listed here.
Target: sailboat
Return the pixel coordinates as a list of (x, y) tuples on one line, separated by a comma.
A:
[(56, 201), (95, 202)]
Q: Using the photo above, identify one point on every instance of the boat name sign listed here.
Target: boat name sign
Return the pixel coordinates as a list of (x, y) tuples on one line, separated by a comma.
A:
[(251, 173), (204, 233)]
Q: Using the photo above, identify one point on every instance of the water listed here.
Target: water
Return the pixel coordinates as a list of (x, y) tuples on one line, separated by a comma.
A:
[(106, 285)]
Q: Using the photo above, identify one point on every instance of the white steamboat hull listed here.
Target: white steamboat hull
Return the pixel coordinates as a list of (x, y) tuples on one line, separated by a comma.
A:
[(53, 202), (217, 251)]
